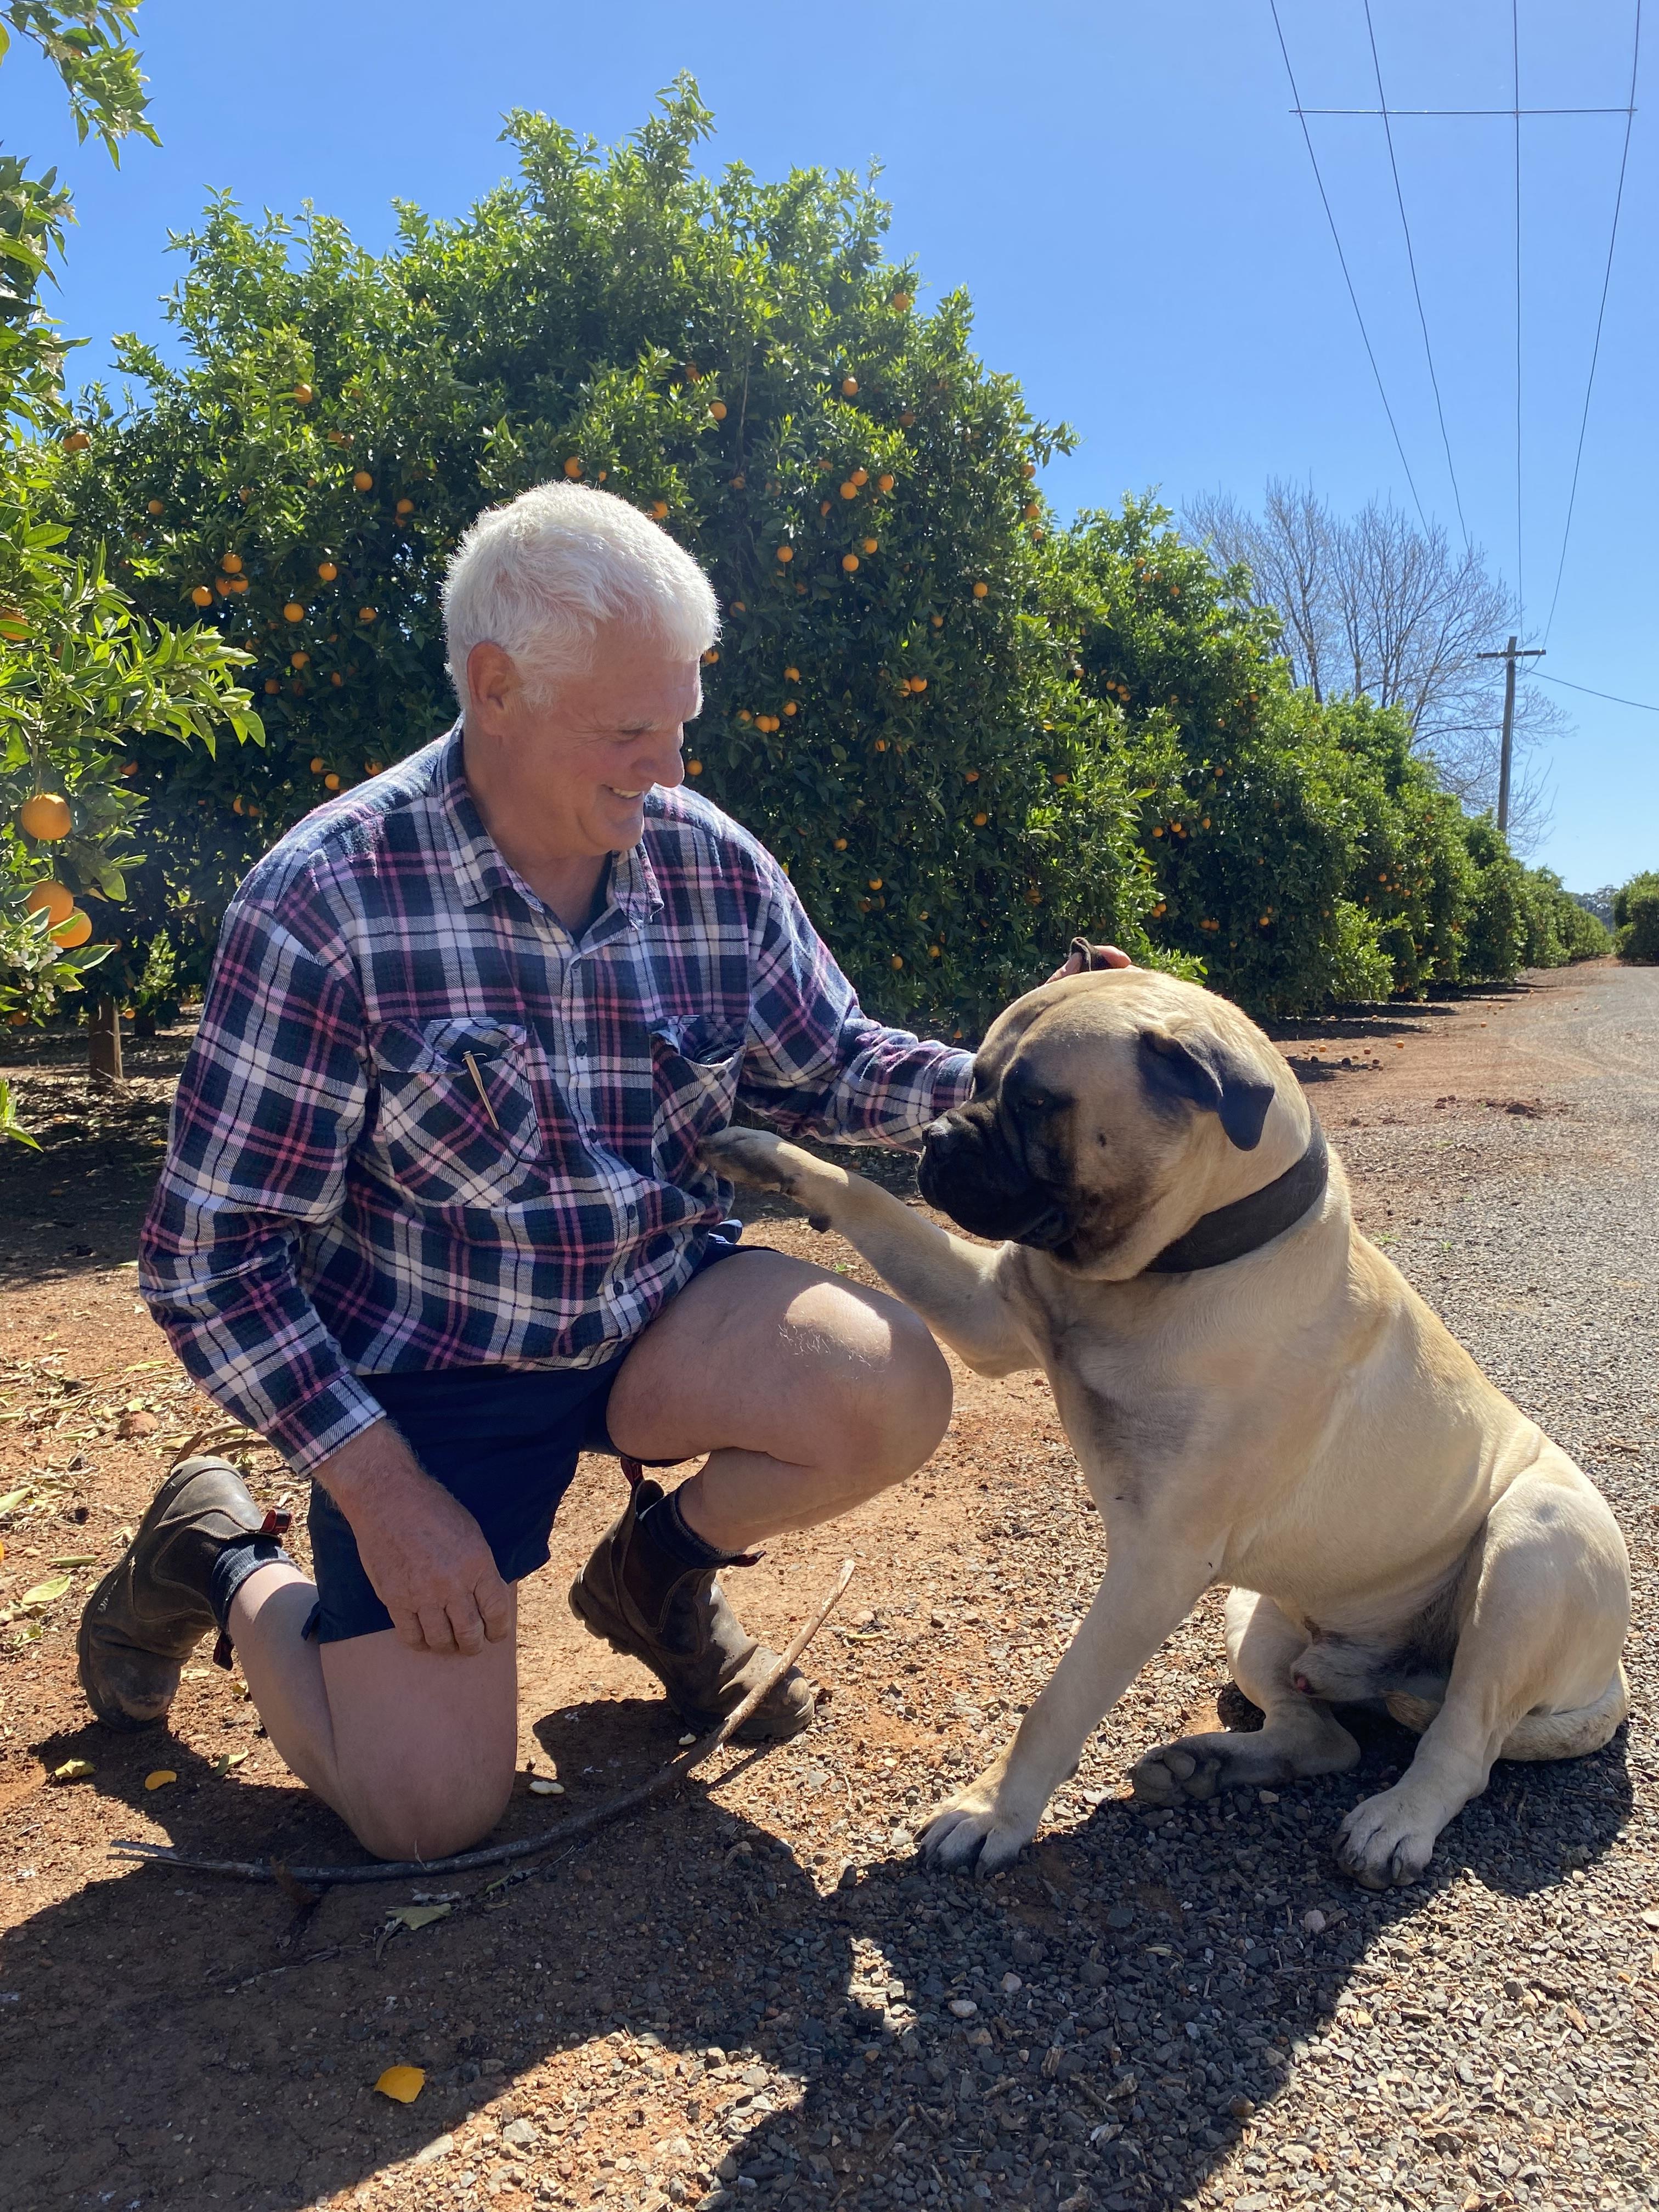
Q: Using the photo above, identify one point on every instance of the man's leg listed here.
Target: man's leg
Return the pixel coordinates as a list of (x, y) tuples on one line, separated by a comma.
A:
[(414, 1750), (808, 1393)]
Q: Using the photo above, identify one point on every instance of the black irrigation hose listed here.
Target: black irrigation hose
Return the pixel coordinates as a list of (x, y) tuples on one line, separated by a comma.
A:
[(582, 1824)]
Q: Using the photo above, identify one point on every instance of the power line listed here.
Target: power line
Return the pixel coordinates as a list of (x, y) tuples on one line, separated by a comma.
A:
[(1411, 261), (1539, 676), (1336, 240), (1520, 558), (1504, 112), (1595, 350)]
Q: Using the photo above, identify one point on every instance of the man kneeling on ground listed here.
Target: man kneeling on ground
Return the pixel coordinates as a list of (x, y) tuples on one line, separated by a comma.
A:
[(433, 1218)]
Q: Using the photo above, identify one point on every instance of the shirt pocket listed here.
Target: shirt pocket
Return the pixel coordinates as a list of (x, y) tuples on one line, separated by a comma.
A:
[(456, 1122), (695, 1066)]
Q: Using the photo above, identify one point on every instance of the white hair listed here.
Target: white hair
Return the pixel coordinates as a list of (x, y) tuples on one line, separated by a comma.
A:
[(538, 576)]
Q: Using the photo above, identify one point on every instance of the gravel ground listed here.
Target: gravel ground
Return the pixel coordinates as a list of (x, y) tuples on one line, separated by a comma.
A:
[(754, 1997)]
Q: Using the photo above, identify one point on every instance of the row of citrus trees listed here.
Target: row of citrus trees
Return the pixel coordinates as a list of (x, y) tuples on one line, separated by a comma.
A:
[(969, 733), (1636, 918)]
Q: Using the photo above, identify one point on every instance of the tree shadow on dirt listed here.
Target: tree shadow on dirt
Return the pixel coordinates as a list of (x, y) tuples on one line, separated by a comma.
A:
[(1101, 2019)]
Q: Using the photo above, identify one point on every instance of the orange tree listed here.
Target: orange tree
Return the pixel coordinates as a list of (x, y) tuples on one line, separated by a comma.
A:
[(889, 707), (81, 670), (1302, 849)]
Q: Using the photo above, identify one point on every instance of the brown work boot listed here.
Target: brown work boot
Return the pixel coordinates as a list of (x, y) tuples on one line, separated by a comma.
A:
[(675, 1618), (154, 1606)]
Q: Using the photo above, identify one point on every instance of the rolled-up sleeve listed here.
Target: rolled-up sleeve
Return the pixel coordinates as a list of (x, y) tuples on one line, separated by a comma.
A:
[(814, 1064), (271, 1099)]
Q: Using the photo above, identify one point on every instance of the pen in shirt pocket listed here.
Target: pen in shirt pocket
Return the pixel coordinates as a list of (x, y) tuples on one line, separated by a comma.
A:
[(483, 1096)]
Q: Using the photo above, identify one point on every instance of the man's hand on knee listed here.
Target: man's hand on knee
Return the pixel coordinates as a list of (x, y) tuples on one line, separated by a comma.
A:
[(422, 1551)]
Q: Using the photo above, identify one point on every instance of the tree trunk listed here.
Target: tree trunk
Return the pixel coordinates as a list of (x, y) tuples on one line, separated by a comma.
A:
[(104, 1041)]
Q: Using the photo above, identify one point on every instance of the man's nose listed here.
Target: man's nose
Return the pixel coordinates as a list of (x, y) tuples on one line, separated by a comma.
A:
[(664, 763)]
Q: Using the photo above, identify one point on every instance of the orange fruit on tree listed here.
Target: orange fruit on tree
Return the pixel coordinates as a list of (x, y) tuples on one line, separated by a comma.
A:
[(237, 583), (717, 409), (849, 561), (790, 707), (786, 553), (659, 509), (849, 386), (330, 783), (884, 484), (361, 480), (339, 438), (710, 658), (907, 421), (232, 564), (202, 596), (54, 900), (45, 817), (374, 767), (155, 508), (694, 767), (938, 621), (405, 506), (293, 611), (366, 614), (860, 477), (327, 571), (871, 544), (318, 765), (336, 677), (75, 930), (298, 660), (840, 844), (271, 684), (77, 442), (979, 590), (850, 490), (791, 675), (918, 682), (901, 300), (304, 394), (979, 821), (573, 466)]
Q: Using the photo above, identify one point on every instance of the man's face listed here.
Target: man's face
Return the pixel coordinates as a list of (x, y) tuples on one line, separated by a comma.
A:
[(583, 762)]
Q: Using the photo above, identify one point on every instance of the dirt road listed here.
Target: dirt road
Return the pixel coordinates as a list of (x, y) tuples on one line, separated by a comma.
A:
[(751, 1997)]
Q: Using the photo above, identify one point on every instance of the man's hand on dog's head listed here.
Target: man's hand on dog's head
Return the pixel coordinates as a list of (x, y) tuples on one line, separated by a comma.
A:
[(1100, 956)]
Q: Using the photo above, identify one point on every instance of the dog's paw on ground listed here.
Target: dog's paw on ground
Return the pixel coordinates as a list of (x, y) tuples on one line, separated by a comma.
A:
[(974, 1829), (1387, 1840), (1177, 1773)]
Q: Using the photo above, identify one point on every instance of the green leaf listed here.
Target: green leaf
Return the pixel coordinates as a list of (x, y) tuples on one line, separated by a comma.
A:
[(44, 1593)]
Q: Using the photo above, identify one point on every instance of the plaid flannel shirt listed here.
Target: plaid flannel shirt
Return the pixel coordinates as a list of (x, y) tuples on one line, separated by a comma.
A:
[(423, 1126)]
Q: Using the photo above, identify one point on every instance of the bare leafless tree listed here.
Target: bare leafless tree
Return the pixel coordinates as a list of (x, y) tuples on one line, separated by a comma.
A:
[(1372, 603)]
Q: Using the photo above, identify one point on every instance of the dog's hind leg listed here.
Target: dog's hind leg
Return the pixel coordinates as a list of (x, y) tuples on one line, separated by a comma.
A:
[(1298, 1734), (1536, 1674)]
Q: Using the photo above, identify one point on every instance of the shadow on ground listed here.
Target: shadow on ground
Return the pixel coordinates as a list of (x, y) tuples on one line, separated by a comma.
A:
[(179, 2040)]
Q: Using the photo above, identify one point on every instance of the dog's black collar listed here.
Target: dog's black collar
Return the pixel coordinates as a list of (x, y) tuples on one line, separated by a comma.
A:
[(1250, 1223)]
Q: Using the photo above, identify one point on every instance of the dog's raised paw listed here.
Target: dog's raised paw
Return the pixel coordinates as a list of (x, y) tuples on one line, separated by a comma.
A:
[(752, 1156), (1388, 1840)]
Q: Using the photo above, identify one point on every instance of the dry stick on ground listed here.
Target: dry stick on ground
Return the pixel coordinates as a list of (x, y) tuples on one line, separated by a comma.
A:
[(581, 1824)]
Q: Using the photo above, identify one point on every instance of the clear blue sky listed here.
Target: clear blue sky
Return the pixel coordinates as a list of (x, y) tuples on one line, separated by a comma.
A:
[(1123, 191)]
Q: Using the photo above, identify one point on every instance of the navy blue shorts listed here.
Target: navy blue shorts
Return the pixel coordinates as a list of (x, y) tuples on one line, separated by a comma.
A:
[(503, 1440)]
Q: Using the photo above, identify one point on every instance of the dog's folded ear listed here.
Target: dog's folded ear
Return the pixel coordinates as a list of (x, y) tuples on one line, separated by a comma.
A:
[(1210, 1076)]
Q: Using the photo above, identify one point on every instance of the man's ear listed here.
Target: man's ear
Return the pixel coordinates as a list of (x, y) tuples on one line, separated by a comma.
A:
[(1210, 1076)]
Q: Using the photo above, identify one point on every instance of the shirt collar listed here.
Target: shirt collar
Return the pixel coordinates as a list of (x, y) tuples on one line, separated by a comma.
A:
[(480, 871)]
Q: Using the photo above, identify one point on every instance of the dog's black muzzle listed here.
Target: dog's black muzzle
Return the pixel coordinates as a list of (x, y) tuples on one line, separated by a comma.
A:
[(970, 1171)]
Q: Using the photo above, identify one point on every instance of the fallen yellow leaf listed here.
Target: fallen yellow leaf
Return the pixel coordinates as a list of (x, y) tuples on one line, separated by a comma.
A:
[(46, 1592), (403, 2083), (160, 1779), (73, 1769)]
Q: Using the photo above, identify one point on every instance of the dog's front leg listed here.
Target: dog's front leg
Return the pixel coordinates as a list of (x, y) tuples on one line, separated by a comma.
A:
[(1148, 1590), (952, 1285)]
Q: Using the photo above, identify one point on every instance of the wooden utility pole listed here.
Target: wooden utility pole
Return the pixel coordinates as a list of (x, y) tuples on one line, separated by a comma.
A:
[(1509, 656)]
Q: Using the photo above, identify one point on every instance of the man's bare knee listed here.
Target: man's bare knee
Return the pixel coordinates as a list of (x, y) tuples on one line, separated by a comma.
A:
[(895, 1420), (426, 1823)]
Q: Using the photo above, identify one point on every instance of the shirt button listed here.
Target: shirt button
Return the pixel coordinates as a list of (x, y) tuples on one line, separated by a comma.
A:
[(579, 1048)]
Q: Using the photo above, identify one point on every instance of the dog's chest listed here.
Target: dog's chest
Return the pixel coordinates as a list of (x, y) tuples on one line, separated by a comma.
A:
[(1119, 1429)]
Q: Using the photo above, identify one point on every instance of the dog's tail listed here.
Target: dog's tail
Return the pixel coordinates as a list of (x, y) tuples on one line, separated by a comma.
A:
[(1570, 1735)]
